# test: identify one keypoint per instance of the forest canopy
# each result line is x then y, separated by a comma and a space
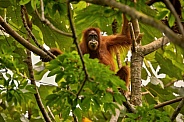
37, 85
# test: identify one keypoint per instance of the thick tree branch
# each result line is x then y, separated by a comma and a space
153, 46
136, 64
137, 58
21, 40
142, 17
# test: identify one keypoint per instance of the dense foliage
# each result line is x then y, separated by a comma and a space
69, 99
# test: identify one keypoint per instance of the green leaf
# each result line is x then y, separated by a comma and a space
78, 113
31, 88
144, 74
119, 98
33, 4
167, 66
52, 97
107, 97
149, 36
54, 71
162, 14
66, 113
17, 97
86, 103
39, 74
59, 76
23, 2
171, 20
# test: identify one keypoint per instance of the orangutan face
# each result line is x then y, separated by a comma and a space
93, 40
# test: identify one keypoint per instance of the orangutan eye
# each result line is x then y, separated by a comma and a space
95, 37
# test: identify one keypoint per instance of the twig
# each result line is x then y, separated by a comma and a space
178, 109
2, 29
48, 23
133, 38
31, 74
168, 102
21, 40
172, 9
78, 48
24, 12
170, 83
50, 112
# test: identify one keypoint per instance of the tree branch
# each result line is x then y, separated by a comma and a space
143, 18
153, 46
178, 109
31, 77
25, 22
168, 102
21, 40
136, 65
48, 23
172, 9
78, 48
37, 95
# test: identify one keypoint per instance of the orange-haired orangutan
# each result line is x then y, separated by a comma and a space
102, 47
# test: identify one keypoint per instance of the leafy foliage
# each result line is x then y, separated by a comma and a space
147, 114
95, 101
94, 95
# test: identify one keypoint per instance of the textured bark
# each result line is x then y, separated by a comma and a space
136, 65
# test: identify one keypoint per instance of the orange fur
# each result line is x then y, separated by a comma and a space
106, 46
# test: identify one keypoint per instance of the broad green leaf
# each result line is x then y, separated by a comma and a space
54, 71
171, 20
85, 104
78, 113
46, 90
149, 36
23, 2
31, 88
162, 14
33, 4
59, 76
169, 109
119, 98
167, 67
144, 74
107, 97
39, 74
